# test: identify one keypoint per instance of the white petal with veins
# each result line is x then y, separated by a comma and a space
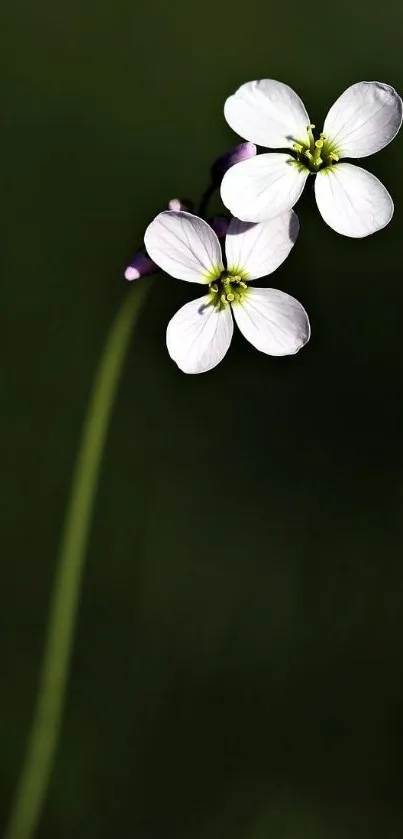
274, 322
199, 335
364, 119
184, 246
256, 250
263, 187
352, 201
268, 113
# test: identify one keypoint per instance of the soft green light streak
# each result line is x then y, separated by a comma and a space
43, 739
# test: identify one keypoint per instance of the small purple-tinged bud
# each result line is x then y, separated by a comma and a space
220, 225
179, 205
140, 266
235, 155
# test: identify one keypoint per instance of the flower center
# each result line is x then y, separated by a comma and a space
228, 288
318, 154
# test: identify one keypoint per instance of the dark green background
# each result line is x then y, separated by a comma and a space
238, 662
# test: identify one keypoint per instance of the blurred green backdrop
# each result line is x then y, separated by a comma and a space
238, 661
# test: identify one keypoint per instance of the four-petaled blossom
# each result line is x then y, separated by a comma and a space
200, 333
352, 201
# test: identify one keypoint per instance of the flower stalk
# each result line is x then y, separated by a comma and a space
47, 718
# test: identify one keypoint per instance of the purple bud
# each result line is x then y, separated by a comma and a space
140, 266
235, 155
180, 206
220, 225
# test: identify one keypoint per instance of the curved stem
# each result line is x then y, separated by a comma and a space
205, 199
41, 748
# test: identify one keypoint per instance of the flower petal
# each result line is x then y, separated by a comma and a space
352, 201
364, 119
199, 335
262, 187
184, 246
272, 321
268, 113
256, 250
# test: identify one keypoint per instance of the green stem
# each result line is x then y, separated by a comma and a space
39, 758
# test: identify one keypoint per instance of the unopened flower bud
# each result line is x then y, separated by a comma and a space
140, 266
220, 225
235, 155
180, 205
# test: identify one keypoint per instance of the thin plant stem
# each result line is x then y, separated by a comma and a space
47, 717
205, 199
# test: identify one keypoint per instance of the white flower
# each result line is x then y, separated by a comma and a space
200, 333
364, 119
